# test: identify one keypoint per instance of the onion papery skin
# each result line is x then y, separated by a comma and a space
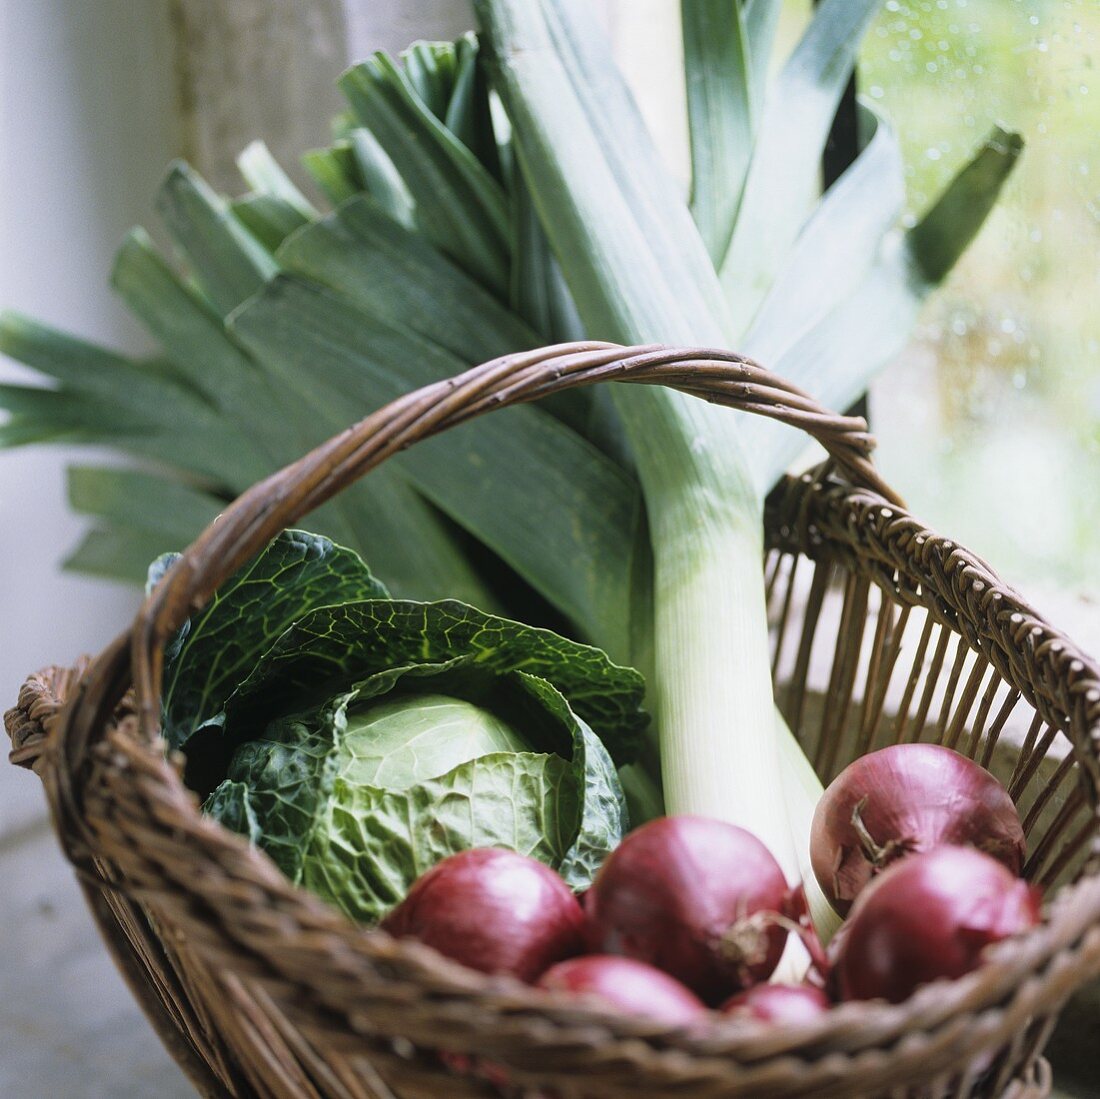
494, 911
785, 1005
628, 985
927, 917
910, 798
694, 897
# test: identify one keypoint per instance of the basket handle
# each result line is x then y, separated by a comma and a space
281, 500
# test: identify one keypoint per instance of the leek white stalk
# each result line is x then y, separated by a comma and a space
802, 791
712, 689
639, 272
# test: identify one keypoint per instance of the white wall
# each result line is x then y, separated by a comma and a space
87, 125
392, 24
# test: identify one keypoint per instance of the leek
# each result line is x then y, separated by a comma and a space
712, 685
640, 272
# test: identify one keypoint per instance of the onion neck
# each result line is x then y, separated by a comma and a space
879, 855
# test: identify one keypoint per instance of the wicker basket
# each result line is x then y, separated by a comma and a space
882, 632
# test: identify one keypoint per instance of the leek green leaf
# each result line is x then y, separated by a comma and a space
460, 207
538, 291
139, 500
394, 272
782, 180
141, 407
188, 329
941, 236
720, 102
397, 275
227, 263
38, 415
430, 69
574, 547
872, 324
405, 539
268, 218
381, 180
469, 116
761, 21
262, 172
336, 171
632, 256
115, 553
835, 249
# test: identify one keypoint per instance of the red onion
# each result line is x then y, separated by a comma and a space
627, 985
695, 897
903, 799
927, 917
787, 1005
493, 910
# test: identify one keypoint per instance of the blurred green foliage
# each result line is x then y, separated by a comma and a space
990, 422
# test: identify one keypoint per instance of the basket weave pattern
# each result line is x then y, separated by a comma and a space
883, 632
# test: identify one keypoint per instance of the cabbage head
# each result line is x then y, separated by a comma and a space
358, 739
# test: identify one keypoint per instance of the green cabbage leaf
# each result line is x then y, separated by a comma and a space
359, 739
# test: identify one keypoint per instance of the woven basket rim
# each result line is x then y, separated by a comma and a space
1018, 975
746, 1044
927, 1004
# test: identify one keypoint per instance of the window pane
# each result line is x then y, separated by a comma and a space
990, 421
